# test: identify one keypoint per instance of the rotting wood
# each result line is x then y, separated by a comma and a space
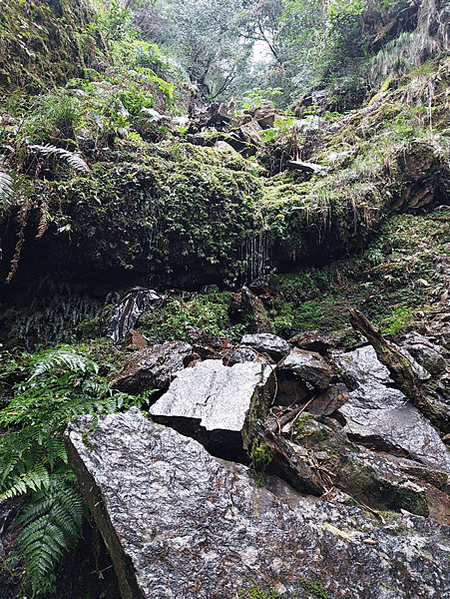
302, 476
278, 424
401, 371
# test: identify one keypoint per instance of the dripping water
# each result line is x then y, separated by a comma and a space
255, 255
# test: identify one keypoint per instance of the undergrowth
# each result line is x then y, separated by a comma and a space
58, 385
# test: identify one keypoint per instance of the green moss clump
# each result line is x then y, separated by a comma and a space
205, 313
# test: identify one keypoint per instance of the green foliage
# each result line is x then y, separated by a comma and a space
259, 97
73, 158
315, 587
261, 456
59, 317
60, 385
134, 99
50, 525
115, 21
177, 320
402, 317
256, 592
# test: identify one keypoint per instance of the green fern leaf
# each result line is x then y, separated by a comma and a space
32, 480
73, 158
51, 524
6, 188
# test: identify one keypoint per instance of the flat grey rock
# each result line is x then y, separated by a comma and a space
217, 396
267, 343
181, 524
218, 405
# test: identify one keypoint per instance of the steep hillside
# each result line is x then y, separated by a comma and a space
117, 177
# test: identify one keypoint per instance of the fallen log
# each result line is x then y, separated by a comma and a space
401, 371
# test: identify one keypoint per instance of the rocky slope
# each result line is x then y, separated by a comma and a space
273, 227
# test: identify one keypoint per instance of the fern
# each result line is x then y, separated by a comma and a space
51, 524
60, 385
73, 158
6, 188
62, 358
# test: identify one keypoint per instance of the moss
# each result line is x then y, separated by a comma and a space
315, 587
164, 214
261, 456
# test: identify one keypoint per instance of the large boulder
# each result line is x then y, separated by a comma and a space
381, 417
218, 405
182, 524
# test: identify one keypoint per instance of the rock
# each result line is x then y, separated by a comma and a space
240, 354
314, 341
382, 417
220, 114
429, 355
327, 403
153, 368
291, 389
218, 405
138, 339
264, 115
181, 524
310, 366
154, 115
246, 302
379, 480
128, 310
307, 167
250, 133
363, 366
267, 343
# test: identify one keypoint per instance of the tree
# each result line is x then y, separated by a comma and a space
204, 36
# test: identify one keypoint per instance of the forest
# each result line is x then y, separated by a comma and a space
198, 173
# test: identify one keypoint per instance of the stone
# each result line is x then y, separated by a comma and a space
314, 341
310, 366
381, 417
374, 478
180, 523
127, 312
153, 367
241, 354
428, 354
267, 343
250, 133
218, 405
329, 401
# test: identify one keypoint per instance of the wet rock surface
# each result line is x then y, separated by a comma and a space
217, 404
382, 417
128, 310
267, 343
153, 368
309, 366
180, 523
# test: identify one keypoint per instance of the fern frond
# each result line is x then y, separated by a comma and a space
51, 525
73, 158
32, 480
59, 358
6, 187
